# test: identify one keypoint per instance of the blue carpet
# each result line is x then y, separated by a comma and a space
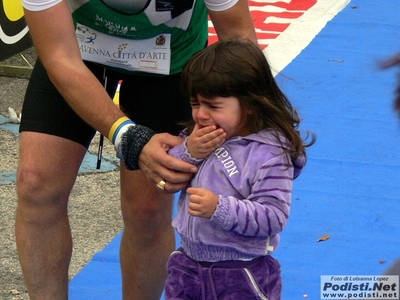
350, 187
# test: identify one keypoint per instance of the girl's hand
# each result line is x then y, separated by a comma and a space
202, 141
203, 203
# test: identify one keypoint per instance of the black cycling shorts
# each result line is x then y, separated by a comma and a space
152, 101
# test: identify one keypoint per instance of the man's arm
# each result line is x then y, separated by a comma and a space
235, 22
54, 38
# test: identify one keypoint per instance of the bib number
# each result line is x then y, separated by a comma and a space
151, 55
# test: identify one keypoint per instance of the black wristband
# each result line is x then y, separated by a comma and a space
132, 143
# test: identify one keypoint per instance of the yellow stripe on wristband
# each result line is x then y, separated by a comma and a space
115, 126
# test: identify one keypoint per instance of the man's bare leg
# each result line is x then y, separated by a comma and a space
148, 238
47, 171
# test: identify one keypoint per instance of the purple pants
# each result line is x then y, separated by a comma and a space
231, 280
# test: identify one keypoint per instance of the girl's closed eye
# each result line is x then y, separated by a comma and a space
213, 106
194, 103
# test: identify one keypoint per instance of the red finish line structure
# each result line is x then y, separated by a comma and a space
271, 18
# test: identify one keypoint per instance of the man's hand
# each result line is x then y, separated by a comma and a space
157, 165
202, 141
203, 203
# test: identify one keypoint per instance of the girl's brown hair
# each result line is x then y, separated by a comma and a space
240, 69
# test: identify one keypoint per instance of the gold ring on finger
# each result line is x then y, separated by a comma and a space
161, 185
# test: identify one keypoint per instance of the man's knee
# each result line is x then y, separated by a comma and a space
39, 200
148, 212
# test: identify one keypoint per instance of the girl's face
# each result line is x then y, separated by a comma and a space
223, 112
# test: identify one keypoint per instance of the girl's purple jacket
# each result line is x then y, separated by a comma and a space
253, 179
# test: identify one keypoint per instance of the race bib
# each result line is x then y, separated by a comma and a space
151, 55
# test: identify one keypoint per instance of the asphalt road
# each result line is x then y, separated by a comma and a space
94, 206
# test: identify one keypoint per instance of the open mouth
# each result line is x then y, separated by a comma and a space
203, 126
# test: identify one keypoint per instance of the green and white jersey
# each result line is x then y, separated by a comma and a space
158, 39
